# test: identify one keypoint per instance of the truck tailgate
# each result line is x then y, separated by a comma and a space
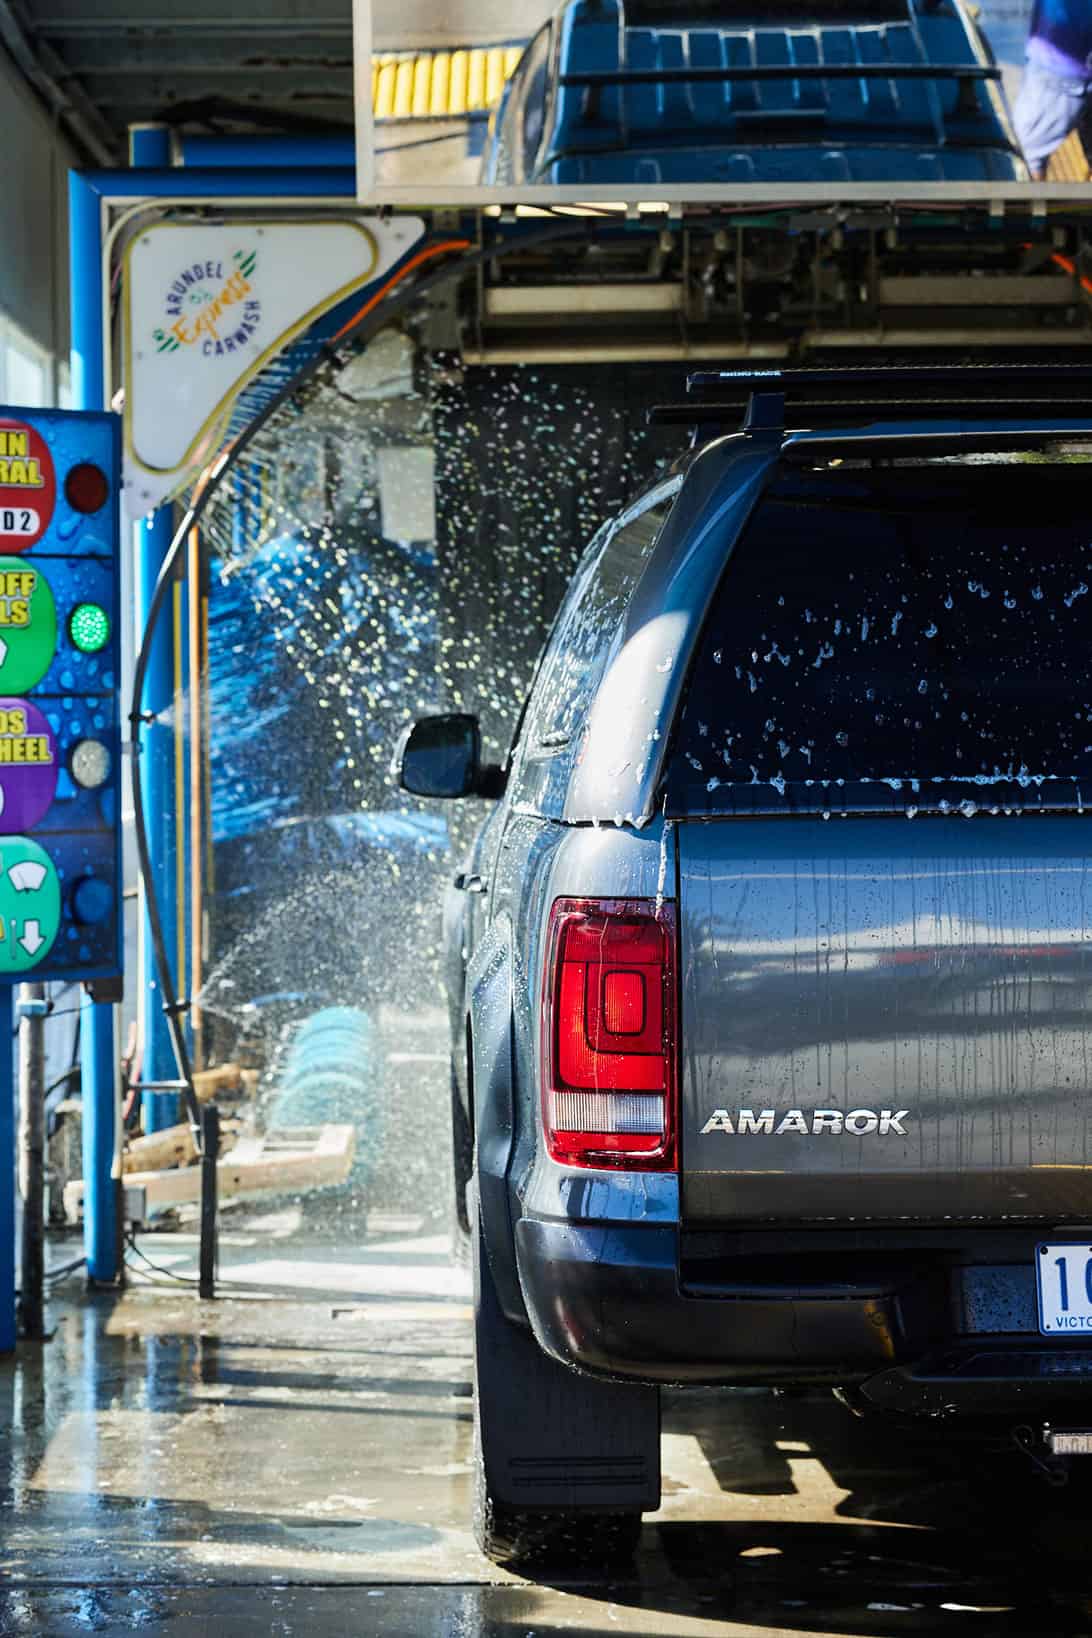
885, 1019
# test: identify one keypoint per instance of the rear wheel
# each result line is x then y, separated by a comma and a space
564, 1465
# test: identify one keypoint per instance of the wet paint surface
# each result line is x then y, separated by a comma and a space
295, 1459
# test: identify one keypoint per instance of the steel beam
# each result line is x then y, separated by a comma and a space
101, 1141
217, 54
7, 1172
98, 1063
49, 77
32, 1017
520, 301
156, 742
57, 18
150, 145
292, 153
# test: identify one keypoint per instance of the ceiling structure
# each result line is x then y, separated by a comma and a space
100, 65
258, 65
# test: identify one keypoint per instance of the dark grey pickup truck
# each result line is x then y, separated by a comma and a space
771, 968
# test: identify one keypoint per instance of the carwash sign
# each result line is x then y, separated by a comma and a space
28, 489
212, 307
60, 749
207, 305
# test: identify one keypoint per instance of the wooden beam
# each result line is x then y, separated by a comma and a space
173, 1146
1069, 163
296, 1159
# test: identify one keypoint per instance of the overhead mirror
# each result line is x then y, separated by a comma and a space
650, 100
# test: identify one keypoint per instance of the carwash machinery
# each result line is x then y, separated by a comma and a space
60, 754
713, 281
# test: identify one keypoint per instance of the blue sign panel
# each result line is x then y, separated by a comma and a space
60, 729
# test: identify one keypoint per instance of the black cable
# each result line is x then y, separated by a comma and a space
368, 326
68, 1268
68, 1075
421, 142
181, 1279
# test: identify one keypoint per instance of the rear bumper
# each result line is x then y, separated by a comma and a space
607, 1300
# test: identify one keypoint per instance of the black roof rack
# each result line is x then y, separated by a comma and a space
692, 75
811, 13
772, 401
1064, 377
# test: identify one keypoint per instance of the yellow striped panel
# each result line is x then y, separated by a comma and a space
383, 103
475, 81
441, 80
403, 89
440, 84
494, 76
1069, 163
422, 76
456, 96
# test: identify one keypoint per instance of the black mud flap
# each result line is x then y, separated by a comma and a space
551, 1437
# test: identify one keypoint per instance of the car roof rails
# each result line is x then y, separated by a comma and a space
693, 74
776, 402
767, 13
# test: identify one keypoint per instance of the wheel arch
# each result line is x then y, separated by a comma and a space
492, 1091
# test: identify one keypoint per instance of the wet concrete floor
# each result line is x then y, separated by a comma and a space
294, 1459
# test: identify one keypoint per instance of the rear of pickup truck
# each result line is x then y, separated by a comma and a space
885, 1088
878, 960
885, 927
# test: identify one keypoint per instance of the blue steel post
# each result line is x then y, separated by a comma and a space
156, 740
98, 1058
324, 175
150, 145
101, 1167
7, 1180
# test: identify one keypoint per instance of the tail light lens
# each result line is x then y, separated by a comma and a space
609, 1034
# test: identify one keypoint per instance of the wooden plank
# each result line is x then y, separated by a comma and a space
174, 1146
224, 1078
1069, 163
281, 1163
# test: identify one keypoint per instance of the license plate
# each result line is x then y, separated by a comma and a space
1063, 1273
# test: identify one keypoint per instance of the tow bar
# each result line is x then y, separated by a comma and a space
1067, 1441
1051, 1449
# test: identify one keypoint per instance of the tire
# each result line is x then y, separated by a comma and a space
616, 1431
462, 1160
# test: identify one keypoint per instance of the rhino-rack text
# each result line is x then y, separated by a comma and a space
809, 1123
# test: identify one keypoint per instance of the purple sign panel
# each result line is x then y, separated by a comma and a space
28, 766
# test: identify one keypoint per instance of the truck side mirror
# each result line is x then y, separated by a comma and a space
441, 756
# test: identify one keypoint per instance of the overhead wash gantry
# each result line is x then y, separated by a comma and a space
714, 277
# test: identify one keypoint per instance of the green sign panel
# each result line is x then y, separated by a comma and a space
30, 904
28, 625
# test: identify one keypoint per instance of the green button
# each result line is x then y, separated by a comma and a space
30, 904
28, 625
89, 627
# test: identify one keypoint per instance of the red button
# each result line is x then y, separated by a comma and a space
86, 488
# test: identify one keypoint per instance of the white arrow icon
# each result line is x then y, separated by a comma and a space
32, 939
3, 651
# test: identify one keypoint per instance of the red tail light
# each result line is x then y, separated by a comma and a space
609, 1034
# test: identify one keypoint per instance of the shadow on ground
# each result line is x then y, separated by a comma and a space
286, 1463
